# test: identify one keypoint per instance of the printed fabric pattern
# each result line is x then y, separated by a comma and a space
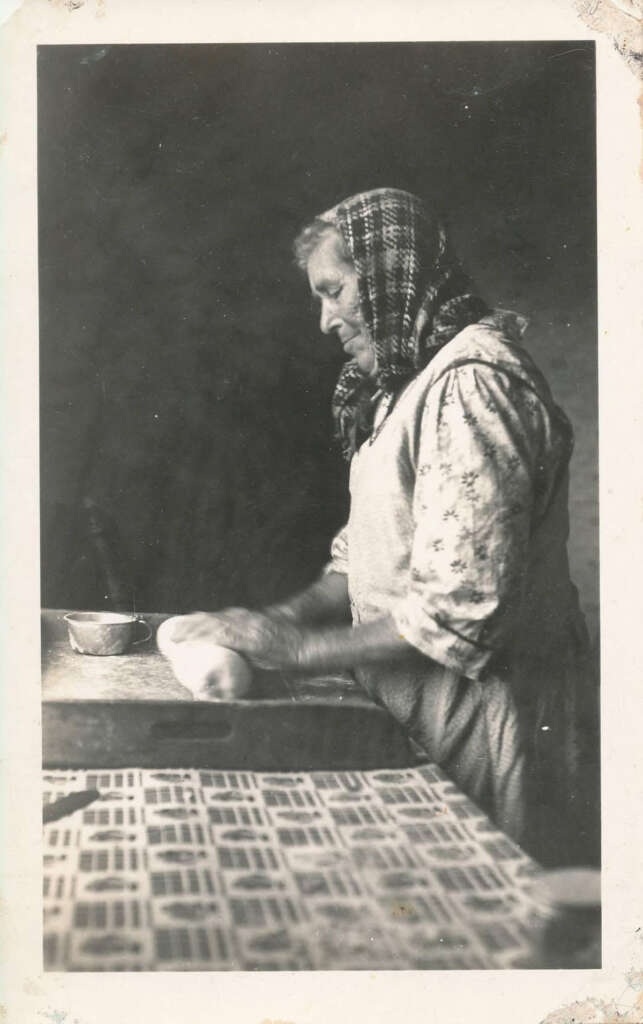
414, 297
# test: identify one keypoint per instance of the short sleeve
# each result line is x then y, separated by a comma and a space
339, 553
478, 450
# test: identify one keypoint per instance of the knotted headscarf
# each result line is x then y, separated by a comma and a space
414, 297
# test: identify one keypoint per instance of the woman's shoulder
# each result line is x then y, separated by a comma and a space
492, 346
489, 351
494, 340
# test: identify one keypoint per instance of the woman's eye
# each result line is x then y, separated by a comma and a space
335, 293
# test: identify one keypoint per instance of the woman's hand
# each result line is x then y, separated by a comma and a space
266, 641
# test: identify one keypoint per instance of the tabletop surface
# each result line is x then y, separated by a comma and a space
253, 859
144, 674
123, 709
202, 870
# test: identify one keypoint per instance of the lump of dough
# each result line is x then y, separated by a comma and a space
209, 671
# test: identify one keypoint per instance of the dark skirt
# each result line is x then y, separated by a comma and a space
523, 744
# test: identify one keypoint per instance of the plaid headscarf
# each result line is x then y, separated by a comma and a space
414, 297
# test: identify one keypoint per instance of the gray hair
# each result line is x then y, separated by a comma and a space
313, 234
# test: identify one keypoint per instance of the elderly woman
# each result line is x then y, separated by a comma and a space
453, 564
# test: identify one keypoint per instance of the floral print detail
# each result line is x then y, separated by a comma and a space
489, 449
449, 555
510, 511
446, 400
458, 532
478, 521
469, 478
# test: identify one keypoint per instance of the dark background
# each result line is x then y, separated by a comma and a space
185, 386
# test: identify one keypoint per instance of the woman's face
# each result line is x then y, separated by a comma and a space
334, 282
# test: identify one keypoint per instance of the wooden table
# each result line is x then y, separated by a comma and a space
130, 709
294, 830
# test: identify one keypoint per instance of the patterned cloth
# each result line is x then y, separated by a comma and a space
214, 870
414, 297
458, 528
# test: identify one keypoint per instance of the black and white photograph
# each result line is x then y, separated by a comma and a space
320, 494
318, 385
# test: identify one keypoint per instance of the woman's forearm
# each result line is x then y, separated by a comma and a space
345, 647
277, 641
326, 600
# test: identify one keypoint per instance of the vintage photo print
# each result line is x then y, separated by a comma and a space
189, 461
317, 333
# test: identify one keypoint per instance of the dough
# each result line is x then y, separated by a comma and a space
209, 671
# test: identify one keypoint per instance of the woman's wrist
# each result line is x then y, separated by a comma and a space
345, 647
319, 650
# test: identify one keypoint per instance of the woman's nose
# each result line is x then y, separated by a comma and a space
328, 320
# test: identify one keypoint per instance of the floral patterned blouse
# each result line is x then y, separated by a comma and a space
458, 529
458, 521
